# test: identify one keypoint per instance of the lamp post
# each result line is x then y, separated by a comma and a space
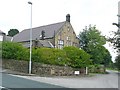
30, 39
118, 25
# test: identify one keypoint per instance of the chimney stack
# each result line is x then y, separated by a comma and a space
68, 17
43, 34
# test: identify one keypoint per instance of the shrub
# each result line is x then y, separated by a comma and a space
70, 56
77, 57
49, 56
12, 50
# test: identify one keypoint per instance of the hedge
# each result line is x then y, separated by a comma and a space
14, 51
70, 56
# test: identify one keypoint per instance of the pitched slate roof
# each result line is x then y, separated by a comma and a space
36, 32
43, 43
46, 43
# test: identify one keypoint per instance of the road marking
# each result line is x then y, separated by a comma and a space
2, 87
2, 71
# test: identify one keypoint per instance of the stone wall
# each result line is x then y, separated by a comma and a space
15, 65
67, 35
40, 69
43, 69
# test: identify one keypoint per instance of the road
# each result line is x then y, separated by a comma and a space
9, 81
98, 81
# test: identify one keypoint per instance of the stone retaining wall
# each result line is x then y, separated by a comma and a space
43, 69
40, 69
15, 65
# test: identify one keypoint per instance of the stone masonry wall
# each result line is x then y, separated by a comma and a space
15, 65
39, 69
43, 69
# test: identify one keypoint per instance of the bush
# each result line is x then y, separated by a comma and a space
77, 57
49, 56
16, 51
70, 56
97, 68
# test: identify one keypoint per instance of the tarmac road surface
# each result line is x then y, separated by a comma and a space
98, 81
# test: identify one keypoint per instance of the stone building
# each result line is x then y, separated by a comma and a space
55, 35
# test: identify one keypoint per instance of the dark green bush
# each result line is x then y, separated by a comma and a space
16, 51
77, 57
96, 68
49, 56
70, 56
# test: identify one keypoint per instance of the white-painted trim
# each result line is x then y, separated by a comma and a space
50, 44
11, 39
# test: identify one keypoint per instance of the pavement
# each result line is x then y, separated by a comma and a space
94, 81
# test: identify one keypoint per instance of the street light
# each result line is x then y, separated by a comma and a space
30, 39
118, 25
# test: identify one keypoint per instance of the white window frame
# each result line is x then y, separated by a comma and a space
60, 44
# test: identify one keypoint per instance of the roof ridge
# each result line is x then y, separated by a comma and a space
47, 25
49, 29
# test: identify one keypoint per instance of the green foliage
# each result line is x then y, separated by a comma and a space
100, 55
115, 40
12, 32
69, 56
117, 62
49, 56
92, 42
91, 37
0, 49
96, 68
77, 57
14, 51
107, 58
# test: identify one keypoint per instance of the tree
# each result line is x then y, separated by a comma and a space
12, 32
107, 58
92, 42
91, 37
115, 41
117, 62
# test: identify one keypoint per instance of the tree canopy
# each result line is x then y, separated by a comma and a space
115, 40
92, 42
91, 37
12, 32
117, 62
116, 44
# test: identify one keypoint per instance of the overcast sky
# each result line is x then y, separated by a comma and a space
102, 13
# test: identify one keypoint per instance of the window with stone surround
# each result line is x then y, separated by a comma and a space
69, 43
60, 44
68, 38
